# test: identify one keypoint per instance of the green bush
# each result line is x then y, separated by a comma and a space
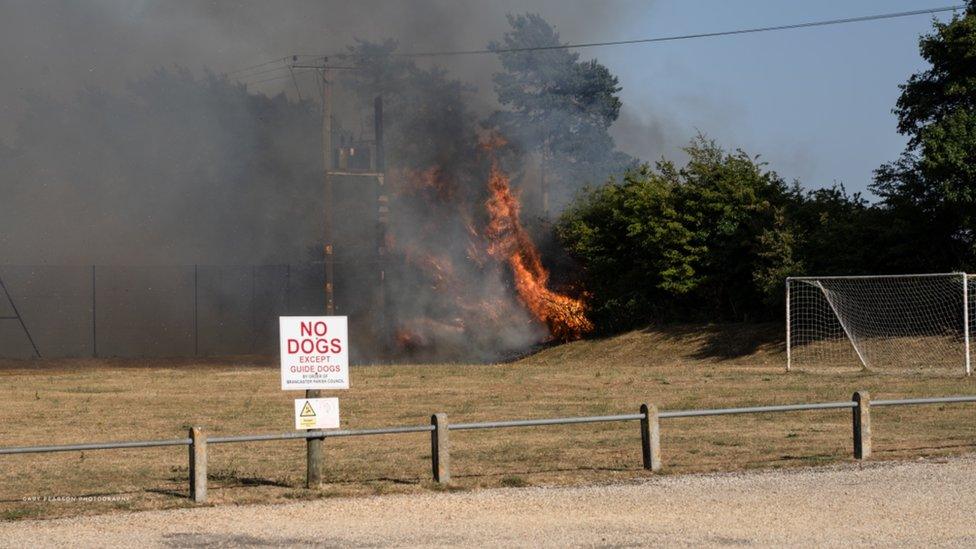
707, 240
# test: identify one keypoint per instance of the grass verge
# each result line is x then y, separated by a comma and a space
66, 401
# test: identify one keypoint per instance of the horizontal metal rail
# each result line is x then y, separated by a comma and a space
549, 421
482, 425
321, 434
757, 409
96, 446
914, 401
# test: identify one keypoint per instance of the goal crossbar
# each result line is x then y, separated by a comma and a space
856, 277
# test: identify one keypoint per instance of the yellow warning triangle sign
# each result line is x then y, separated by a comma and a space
307, 410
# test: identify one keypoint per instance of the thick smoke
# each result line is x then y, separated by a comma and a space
122, 142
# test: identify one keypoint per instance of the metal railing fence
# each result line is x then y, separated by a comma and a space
439, 428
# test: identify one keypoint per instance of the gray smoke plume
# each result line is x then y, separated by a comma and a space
130, 136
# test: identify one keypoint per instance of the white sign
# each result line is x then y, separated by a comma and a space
314, 352
316, 413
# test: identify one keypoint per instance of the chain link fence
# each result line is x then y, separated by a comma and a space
152, 311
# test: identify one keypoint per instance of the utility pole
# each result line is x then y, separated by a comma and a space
543, 182
314, 445
337, 178
327, 167
329, 193
382, 221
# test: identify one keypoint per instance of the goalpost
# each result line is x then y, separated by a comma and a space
897, 322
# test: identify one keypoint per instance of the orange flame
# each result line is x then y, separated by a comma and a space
508, 240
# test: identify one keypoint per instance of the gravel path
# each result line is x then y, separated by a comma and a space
908, 503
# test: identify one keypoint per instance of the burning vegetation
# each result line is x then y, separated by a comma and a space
564, 316
483, 282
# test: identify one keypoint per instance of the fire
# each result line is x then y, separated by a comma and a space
508, 241
456, 261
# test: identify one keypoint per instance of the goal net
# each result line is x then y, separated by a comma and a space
895, 322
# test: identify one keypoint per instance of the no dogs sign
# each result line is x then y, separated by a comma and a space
314, 352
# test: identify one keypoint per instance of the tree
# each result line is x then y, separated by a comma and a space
708, 240
933, 183
557, 106
738, 209
634, 245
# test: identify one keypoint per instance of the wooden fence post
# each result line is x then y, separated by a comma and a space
440, 449
198, 465
862, 425
650, 437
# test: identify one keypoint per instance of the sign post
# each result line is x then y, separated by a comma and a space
313, 453
314, 356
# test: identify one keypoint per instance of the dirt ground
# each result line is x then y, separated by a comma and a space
919, 504
84, 400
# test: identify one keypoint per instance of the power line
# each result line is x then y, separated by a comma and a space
265, 71
248, 78
300, 71
259, 65
793, 26
295, 81
245, 69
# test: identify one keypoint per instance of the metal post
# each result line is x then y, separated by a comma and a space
198, 465
196, 321
789, 351
965, 319
253, 312
650, 437
94, 317
862, 425
440, 449
17, 316
313, 453
288, 289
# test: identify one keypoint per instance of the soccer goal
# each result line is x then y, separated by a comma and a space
914, 322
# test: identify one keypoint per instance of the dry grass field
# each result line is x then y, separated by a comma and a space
85, 400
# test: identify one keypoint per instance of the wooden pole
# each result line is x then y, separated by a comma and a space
328, 214
313, 447
862, 425
383, 224
198, 465
650, 437
313, 453
440, 449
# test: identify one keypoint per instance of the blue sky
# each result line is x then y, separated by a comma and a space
815, 103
